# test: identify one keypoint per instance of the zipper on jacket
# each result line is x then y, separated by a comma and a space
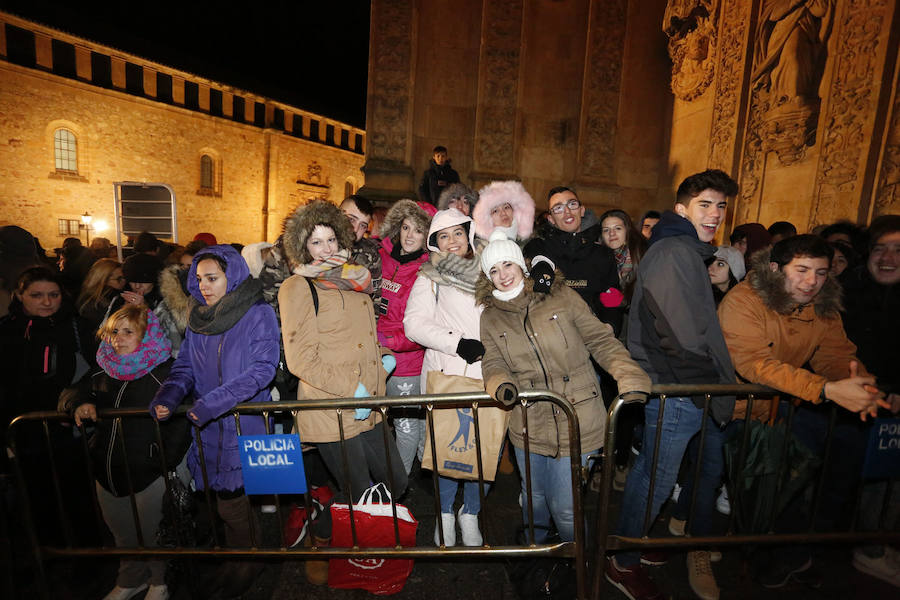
555, 319
221, 427
112, 443
533, 347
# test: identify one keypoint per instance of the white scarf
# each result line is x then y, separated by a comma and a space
509, 294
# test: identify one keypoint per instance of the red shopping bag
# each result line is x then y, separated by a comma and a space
374, 520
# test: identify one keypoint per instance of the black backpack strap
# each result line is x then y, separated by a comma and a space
315, 294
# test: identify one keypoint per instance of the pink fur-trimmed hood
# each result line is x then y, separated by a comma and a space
495, 194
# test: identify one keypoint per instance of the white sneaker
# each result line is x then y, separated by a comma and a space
676, 492
157, 592
268, 509
448, 524
885, 568
124, 593
468, 524
722, 503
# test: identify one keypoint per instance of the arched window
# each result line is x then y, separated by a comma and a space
65, 151
348, 188
207, 173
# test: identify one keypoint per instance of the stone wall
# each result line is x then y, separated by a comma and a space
624, 98
519, 90
266, 160
797, 110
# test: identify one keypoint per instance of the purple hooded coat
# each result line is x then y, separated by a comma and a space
222, 371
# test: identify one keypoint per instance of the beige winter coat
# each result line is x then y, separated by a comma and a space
545, 341
331, 353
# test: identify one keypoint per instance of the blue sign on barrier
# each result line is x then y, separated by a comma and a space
883, 452
272, 464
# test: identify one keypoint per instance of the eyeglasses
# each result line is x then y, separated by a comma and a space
572, 205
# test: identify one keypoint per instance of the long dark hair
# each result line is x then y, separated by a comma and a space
636, 243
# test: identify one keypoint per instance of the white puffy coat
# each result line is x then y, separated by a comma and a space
438, 316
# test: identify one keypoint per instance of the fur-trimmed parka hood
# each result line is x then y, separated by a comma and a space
495, 194
173, 288
484, 288
769, 285
405, 209
301, 223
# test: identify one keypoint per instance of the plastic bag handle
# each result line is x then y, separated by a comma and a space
382, 492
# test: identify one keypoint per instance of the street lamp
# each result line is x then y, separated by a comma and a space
86, 219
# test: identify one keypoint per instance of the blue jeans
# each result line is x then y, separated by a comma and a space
471, 499
551, 493
680, 422
711, 471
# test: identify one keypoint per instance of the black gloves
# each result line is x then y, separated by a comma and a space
470, 350
542, 273
507, 393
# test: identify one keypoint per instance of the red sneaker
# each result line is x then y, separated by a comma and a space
654, 558
632, 581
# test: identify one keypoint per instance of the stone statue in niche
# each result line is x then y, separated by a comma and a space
788, 63
691, 28
314, 173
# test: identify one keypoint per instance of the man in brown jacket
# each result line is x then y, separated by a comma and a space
785, 316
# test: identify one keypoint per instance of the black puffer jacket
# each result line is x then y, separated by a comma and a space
871, 321
141, 446
589, 267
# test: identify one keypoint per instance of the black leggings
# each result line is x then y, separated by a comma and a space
365, 455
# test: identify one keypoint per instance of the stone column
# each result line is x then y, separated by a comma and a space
43, 52
600, 92
887, 192
83, 62
843, 175
392, 39
498, 92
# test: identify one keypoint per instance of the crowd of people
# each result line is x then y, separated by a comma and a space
469, 284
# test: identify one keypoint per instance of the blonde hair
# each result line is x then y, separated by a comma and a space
94, 285
136, 314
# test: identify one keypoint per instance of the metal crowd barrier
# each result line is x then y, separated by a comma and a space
609, 542
572, 550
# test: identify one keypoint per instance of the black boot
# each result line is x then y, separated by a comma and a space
241, 531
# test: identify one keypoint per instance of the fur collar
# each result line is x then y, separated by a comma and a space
173, 292
403, 209
304, 219
769, 285
484, 288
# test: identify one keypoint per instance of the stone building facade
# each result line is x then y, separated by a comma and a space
621, 99
76, 117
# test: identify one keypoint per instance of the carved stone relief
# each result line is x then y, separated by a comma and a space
791, 48
887, 196
852, 101
691, 28
390, 90
498, 79
603, 81
734, 23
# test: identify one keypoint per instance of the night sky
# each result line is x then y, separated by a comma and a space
312, 55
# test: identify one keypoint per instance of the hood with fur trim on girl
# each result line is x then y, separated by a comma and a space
420, 213
303, 221
496, 194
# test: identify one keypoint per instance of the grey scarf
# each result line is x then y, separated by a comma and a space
445, 268
222, 316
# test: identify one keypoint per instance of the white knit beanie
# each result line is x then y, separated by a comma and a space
500, 249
